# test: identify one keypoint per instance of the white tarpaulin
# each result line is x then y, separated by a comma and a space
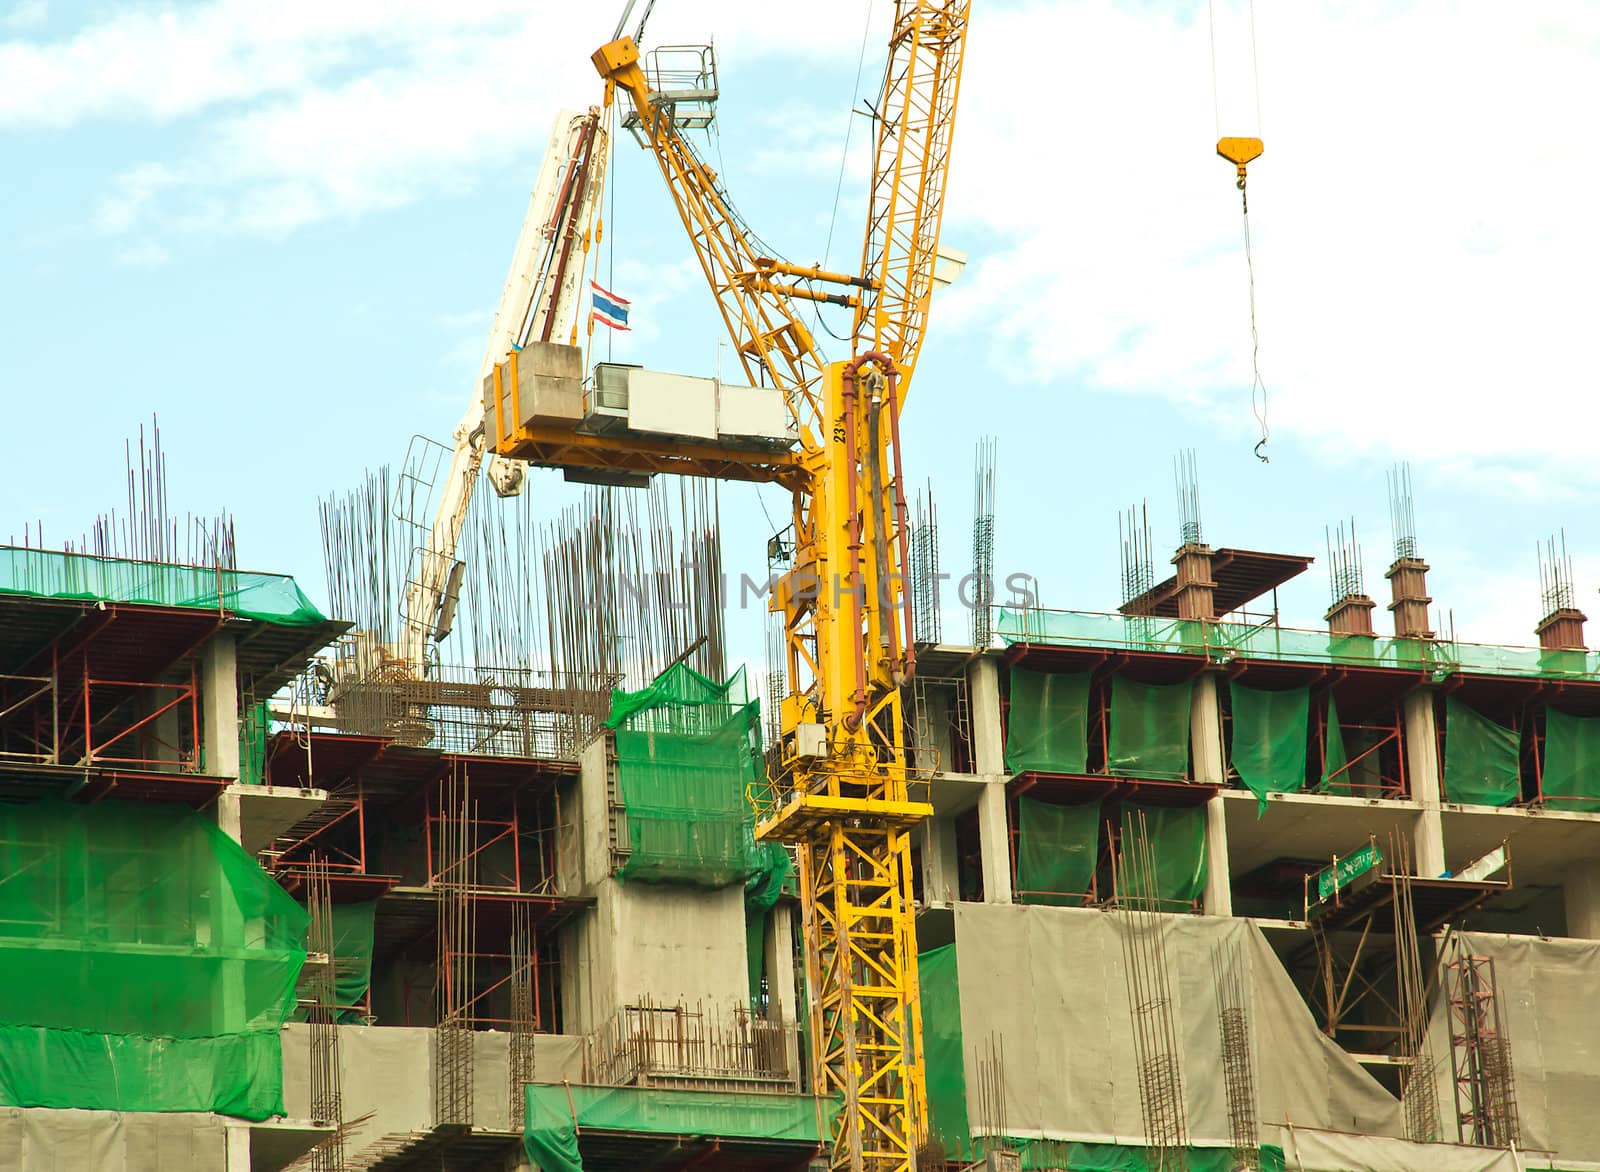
43, 1140
1545, 990
1047, 987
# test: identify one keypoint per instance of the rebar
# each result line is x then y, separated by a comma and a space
1419, 1094
456, 932
1480, 1055
326, 1101
1186, 477
1345, 576
1238, 1065
524, 1013
1138, 564
926, 620
1402, 512
982, 600
1150, 1007
1555, 575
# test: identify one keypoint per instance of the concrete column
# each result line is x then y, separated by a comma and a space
941, 882
1422, 773
994, 839
219, 724
219, 706
1205, 744
988, 738
1580, 888
780, 977
237, 1152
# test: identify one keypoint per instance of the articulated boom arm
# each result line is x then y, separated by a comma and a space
539, 301
773, 343
916, 121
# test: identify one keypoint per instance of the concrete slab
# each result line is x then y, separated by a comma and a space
1544, 843
277, 1143
266, 811
1307, 826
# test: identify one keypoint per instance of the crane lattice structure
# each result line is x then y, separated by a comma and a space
843, 789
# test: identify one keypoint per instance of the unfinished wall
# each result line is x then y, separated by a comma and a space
388, 1071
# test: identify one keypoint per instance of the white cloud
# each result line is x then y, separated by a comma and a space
316, 111
1422, 220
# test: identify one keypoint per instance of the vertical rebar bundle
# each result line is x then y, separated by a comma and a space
150, 531
524, 1015
326, 1101
1480, 1055
1138, 563
1418, 1093
364, 555
925, 618
1229, 970
457, 944
983, 542
1186, 478
1345, 577
1155, 1035
1402, 512
1555, 575
629, 599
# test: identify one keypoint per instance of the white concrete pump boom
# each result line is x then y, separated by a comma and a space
540, 302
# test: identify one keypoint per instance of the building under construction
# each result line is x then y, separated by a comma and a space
1201, 890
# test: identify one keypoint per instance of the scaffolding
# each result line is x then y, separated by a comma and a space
456, 945
326, 1102
1480, 1055
687, 1048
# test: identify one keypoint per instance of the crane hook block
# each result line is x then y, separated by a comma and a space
1239, 152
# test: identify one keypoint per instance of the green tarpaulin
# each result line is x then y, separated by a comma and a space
149, 963
1480, 758
1335, 762
1047, 722
688, 751
558, 1115
1149, 730
1178, 853
1570, 777
1057, 850
1268, 747
352, 958
43, 573
938, 975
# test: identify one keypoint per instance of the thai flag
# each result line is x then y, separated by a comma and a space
609, 309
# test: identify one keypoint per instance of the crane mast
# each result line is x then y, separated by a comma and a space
841, 790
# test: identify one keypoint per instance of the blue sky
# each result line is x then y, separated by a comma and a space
283, 229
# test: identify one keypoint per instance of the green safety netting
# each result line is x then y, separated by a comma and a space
1057, 850
1480, 758
1335, 762
254, 724
557, 1115
149, 963
1149, 729
352, 958
43, 573
1177, 840
1221, 641
1268, 749
773, 870
688, 750
1073, 1156
938, 976
1570, 776
1047, 722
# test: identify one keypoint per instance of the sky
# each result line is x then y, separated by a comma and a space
283, 230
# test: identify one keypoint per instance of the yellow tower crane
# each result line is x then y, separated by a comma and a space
842, 792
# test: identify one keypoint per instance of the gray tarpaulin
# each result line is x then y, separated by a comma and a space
1546, 991
44, 1140
1051, 983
